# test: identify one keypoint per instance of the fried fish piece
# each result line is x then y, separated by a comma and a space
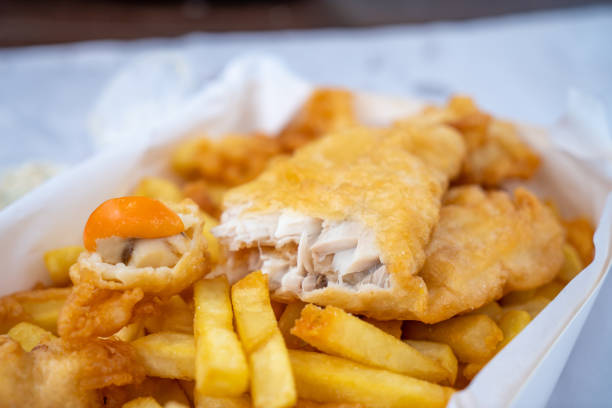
63, 374
327, 110
488, 243
496, 152
229, 161
139, 250
345, 221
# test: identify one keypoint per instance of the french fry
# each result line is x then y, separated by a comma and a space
533, 306
511, 324
167, 355
550, 290
58, 262
473, 338
203, 401
336, 332
142, 402
221, 367
392, 327
159, 189
579, 233
272, 383
491, 309
40, 307
286, 322
29, 335
440, 352
184, 158
325, 378
174, 315
572, 264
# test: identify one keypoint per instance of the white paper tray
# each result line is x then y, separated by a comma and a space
258, 93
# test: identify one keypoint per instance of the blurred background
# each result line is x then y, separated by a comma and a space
70, 70
54, 21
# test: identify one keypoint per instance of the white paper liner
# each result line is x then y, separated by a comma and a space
258, 93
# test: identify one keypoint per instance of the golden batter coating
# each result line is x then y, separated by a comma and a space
64, 374
485, 245
496, 152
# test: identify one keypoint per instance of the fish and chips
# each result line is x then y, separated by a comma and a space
333, 265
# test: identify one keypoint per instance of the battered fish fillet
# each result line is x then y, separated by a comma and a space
496, 152
58, 374
485, 245
345, 221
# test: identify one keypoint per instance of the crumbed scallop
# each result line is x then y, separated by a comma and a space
159, 266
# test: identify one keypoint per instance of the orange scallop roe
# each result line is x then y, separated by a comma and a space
131, 217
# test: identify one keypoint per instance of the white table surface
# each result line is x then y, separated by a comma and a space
519, 67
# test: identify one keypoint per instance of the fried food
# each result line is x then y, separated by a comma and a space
232, 160
159, 189
173, 315
158, 248
142, 402
336, 332
496, 152
359, 248
58, 262
473, 338
272, 383
312, 404
580, 235
139, 250
327, 110
511, 324
208, 196
29, 336
532, 306
572, 264
162, 390
324, 378
287, 321
392, 327
487, 244
222, 402
439, 352
492, 309
93, 312
221, 366
63, 374
40, 307
167, 355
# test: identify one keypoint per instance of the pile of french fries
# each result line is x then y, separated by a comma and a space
231, 346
